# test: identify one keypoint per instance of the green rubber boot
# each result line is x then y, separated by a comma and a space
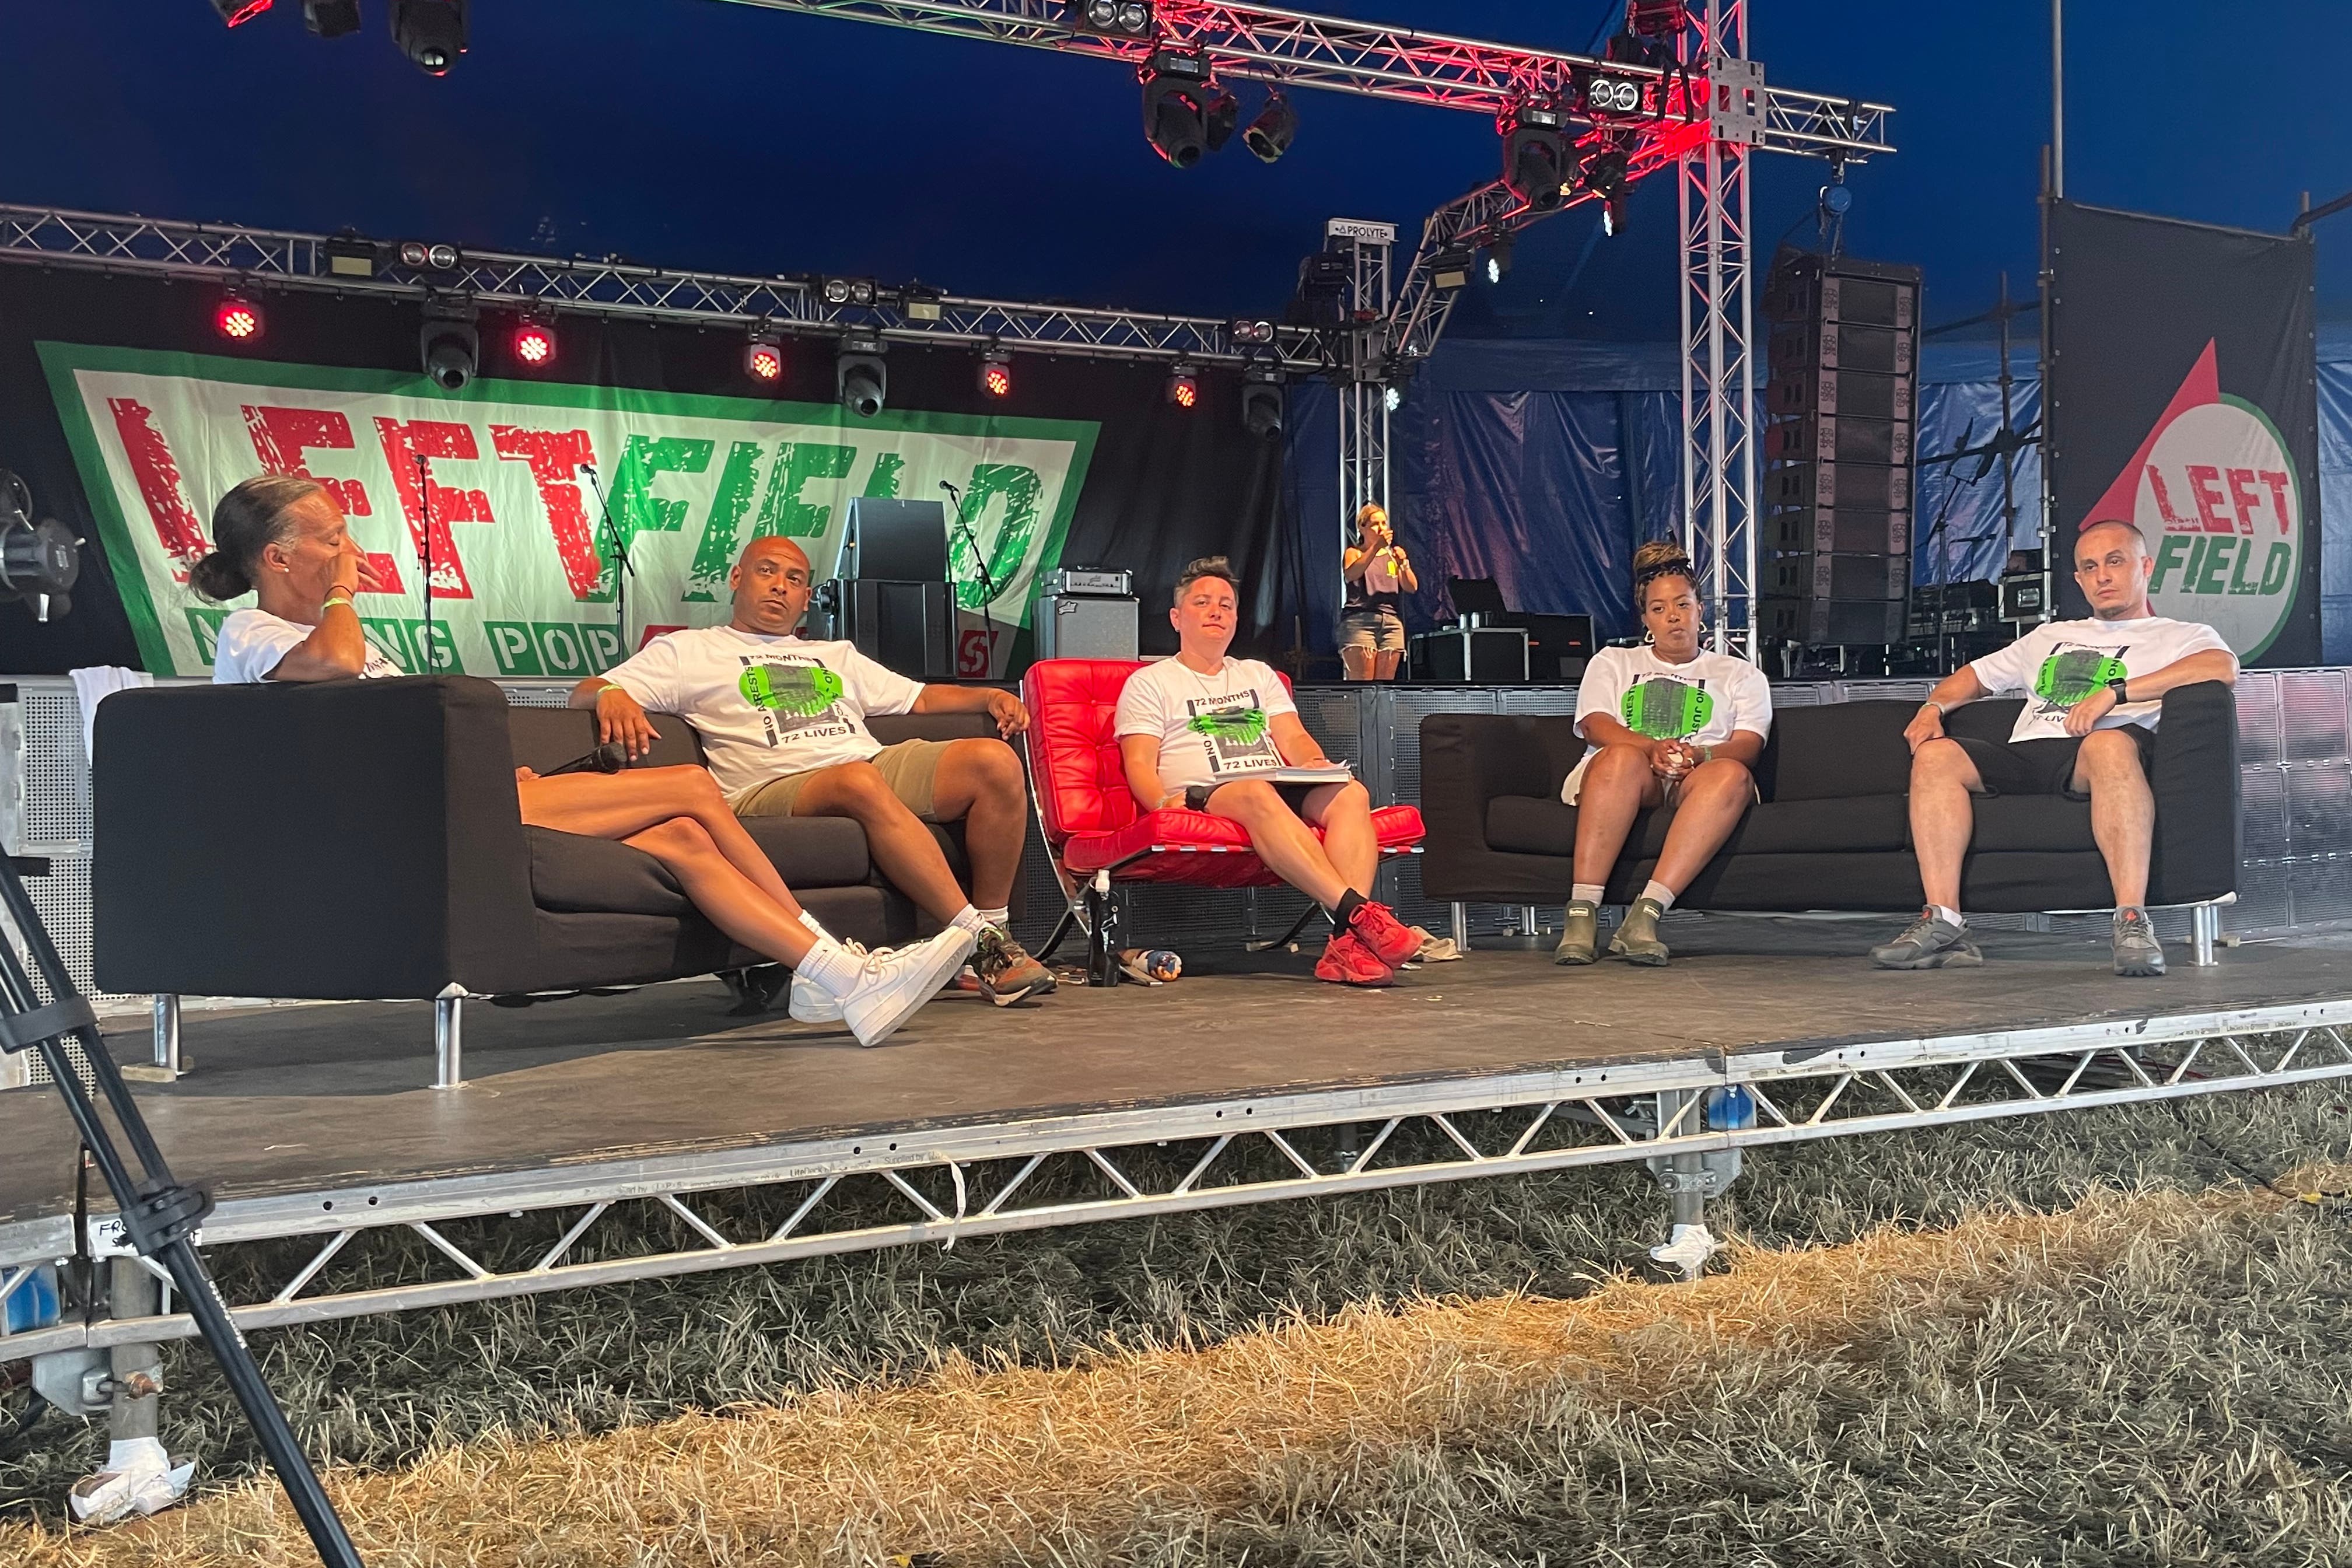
1637, 940
1580, 935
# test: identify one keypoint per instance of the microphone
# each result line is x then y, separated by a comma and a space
609, 758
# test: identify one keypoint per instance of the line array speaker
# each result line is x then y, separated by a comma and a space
1842, 403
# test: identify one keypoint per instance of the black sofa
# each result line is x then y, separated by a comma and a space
1831, 830
362, 839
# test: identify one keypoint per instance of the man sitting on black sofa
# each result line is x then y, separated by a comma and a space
2088, 728
782, 725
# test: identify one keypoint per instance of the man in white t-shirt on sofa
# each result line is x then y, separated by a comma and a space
2094, 694
1204, 732
782, 723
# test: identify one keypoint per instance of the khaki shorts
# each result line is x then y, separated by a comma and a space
910, 768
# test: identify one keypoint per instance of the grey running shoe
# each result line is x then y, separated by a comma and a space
1637, 940
2138, 952
1928, 942
1580, 935
1006, 971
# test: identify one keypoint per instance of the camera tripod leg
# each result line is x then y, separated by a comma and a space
159, 1216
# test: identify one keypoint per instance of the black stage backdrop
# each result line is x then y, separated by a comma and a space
1160, 485
2183, 396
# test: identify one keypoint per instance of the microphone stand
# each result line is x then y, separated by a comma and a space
159, 1215
424, 553
626, 568
987, 583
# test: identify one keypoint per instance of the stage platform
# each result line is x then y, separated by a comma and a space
759, 1139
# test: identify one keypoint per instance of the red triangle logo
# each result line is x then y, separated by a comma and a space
2200, 387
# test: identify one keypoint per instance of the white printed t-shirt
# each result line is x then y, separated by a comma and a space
766, 707
1702, 702
1212, 729
252, 643
2059, 663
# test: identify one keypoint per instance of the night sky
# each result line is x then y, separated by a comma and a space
697, 133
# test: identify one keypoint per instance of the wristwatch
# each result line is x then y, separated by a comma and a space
2116, 683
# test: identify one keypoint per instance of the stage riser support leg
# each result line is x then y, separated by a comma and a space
448, 1039
167, 1034
2204, 930
1461, 914
134, 1292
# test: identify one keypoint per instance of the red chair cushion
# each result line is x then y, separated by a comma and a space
1072, 751
1205, 851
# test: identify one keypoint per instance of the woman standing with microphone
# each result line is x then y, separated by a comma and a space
1371, 622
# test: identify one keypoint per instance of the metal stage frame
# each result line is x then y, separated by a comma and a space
944, 1183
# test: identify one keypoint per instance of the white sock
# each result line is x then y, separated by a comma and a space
831, 966
1949, 917
970, 920
1656, 889
1001, 918
1586, 893
815, 927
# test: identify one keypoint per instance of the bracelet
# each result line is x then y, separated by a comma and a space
332, 601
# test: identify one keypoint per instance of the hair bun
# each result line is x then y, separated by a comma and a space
217, 577
1657, 554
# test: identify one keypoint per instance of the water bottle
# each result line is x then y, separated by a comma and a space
1730, 1107
1159, 962
33, 1304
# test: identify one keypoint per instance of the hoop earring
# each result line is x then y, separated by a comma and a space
1648, 637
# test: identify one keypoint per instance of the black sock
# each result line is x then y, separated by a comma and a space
1345, 911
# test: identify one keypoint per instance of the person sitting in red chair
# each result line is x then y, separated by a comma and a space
1208, 733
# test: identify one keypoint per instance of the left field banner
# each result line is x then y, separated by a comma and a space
488, 484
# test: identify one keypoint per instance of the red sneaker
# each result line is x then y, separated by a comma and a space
1389, 938
1346, 962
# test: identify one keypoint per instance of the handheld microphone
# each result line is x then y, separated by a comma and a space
609, 758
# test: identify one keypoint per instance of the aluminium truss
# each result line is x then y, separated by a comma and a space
1705, 112
363, 1250
230, 254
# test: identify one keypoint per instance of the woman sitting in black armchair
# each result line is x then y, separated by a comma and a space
284, 541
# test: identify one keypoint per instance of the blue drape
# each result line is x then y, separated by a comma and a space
1541, 464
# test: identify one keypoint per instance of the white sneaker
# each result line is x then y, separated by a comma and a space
892, 985
811, 1003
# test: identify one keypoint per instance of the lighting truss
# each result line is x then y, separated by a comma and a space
1718, 310
1296, 48
433, 1242
229, 254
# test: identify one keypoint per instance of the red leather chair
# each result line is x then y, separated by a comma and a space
1095, 832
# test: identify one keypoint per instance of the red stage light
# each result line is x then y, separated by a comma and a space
534, 345
237, 13
237, 319
1183, 390
764, 362
997, 379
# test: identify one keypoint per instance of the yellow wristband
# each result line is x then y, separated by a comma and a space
332, 602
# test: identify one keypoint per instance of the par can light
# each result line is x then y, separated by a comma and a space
237, 317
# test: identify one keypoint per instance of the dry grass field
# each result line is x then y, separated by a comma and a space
2110, 1337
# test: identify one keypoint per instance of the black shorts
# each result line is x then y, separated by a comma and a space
2044, 766
1294, 795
